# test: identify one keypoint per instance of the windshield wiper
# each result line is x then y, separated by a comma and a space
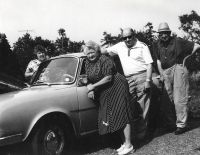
42, 83
27, 85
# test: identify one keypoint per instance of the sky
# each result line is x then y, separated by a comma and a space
88, 19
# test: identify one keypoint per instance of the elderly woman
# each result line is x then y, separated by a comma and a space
33, 65
111, 91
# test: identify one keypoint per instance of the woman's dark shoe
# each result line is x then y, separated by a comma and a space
180, 130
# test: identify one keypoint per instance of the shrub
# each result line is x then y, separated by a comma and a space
194, 103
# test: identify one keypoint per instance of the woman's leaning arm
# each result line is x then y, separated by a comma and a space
103, 81
104, 51
196, 47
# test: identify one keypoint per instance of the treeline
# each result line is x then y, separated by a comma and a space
14, 62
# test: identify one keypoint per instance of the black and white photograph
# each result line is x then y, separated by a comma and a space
99, 77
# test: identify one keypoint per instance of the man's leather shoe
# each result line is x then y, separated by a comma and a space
180, 130
169, 128
138, 141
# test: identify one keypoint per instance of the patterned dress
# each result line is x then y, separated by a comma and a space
112, 98
33, 66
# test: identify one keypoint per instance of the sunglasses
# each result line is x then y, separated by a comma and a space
129, 37
162, 33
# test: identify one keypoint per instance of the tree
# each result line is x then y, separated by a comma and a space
75, 47
24, 50
147, 36
5, 53
64, 45
109, 39
62, 33
8, 62
190, 24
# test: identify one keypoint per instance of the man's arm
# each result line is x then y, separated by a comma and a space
112, 50
160, 70
196, 47
104, 51
149, 76
149, 71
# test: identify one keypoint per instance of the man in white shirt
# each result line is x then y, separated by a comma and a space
136, 62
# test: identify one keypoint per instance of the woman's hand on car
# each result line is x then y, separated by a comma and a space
91, 95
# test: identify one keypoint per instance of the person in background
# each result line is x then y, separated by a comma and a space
33, 65
110, 90
171, 52
136, 62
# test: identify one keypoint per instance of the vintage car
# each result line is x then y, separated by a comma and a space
53, 108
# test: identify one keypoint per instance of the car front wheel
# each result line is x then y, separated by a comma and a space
49, 140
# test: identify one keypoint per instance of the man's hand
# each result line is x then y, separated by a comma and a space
161, 80
91, 95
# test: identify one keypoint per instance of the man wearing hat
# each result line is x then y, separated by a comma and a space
171, 52
136, 62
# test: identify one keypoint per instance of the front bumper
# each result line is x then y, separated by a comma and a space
10, 139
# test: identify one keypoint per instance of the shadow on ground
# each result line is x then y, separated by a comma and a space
193, 123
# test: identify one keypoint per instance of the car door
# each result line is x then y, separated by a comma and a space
88, 111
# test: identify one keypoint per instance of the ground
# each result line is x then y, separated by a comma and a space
163, 143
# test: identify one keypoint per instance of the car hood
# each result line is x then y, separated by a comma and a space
31, 94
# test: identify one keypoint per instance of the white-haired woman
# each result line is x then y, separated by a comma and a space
112, 92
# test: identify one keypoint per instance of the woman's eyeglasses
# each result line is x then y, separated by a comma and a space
129, 37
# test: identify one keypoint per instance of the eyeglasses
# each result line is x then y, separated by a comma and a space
129, 37
164, 32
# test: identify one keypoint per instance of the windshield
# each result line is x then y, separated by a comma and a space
56, 71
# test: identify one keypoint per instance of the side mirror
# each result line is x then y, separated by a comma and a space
83, 80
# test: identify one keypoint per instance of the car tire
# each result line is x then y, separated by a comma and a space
50, 140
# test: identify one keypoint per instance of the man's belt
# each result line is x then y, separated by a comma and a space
135, 74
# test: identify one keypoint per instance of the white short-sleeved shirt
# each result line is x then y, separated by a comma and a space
138, 60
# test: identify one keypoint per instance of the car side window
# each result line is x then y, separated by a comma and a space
83, 68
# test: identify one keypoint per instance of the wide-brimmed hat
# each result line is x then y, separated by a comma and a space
163, 27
